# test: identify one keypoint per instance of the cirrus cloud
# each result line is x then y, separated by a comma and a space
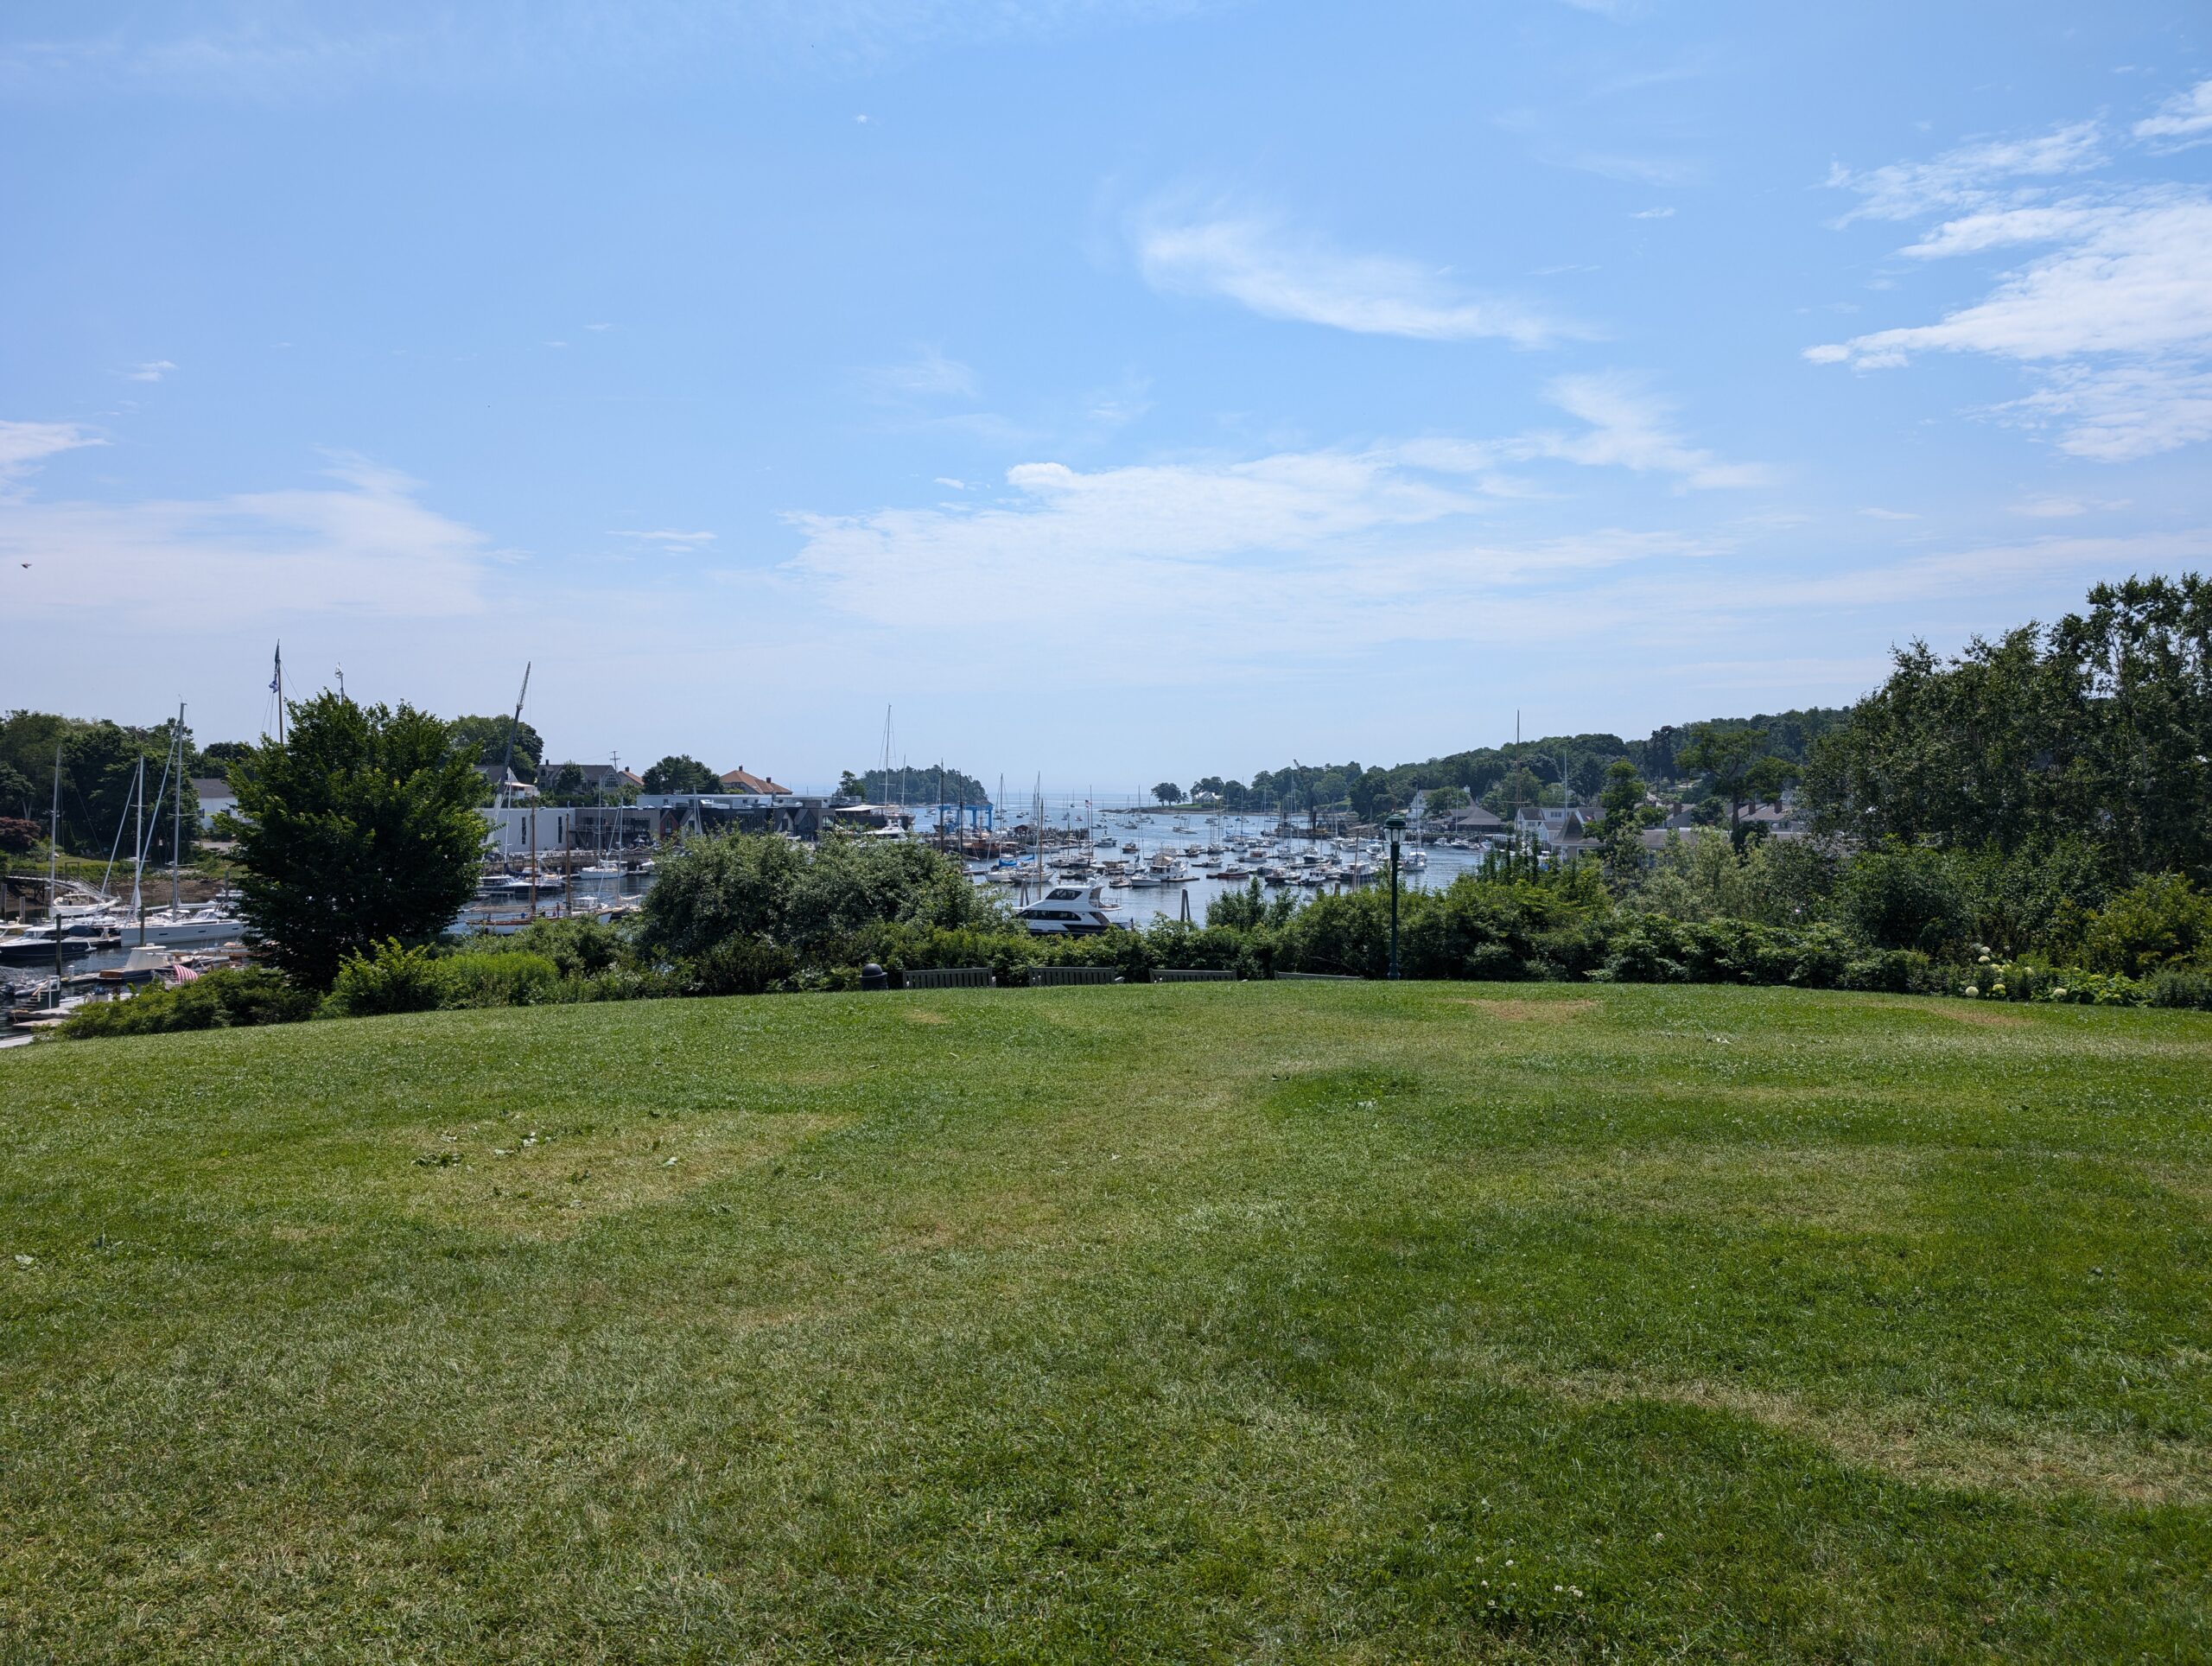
2114, 321
1256, 261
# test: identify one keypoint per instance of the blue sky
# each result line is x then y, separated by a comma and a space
1117, 390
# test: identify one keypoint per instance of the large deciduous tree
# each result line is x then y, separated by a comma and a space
362, 825
485, 742
1742, 770
681, 773
2099, 727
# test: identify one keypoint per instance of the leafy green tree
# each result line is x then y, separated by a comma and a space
1446, 801
361, 828
15, 791
1168, 793
926, 784
1519, 785
681, 773
100, 772
716, 888
1743, 771
1622, 796
485, 742
2095, 728
1370, 795
217, 756
1904, 896
756, 889
1250, 908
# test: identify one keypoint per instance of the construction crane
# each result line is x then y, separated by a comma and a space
507, 769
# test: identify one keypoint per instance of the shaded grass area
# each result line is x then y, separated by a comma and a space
1238, 1321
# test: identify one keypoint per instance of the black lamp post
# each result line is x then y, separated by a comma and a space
1396, 826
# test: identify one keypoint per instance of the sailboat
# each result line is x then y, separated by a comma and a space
176, 926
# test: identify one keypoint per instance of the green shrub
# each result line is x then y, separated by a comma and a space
391, 980
2162, 920
505, 979
2177, 987
737, 965
1903, 896
232, 998
578, 947
1892, 971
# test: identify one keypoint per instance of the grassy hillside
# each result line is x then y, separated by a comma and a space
1249, 1322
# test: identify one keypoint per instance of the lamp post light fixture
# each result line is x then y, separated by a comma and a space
1396, 826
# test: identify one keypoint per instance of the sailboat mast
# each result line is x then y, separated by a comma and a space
138, 850
54, 875
176, 824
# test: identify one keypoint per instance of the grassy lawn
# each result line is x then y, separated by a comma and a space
1244, 1321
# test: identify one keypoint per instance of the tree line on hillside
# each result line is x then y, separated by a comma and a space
99, 763
1553, 770
928, 783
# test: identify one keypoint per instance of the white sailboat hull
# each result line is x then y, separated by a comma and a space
171, 933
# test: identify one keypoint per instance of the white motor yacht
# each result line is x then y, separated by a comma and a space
1067, 911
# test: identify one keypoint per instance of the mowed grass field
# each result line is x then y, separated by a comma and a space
1237, 1322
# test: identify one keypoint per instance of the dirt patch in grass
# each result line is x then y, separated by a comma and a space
1912, 1442
1008, 1222
552, 1185
923, 1016
1518, 1009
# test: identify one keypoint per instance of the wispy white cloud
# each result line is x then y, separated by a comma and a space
2114, 413
668, 542
152, 371
365, 546
1875, 513
2115, 321
2186, 117
1331, 550
929, 374
1369, 544
2050, 507
2133, 276
1629, 428
1970, 175
1653, 213
24, 446
1259, 262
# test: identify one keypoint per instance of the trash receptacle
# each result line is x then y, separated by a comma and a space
872, 978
